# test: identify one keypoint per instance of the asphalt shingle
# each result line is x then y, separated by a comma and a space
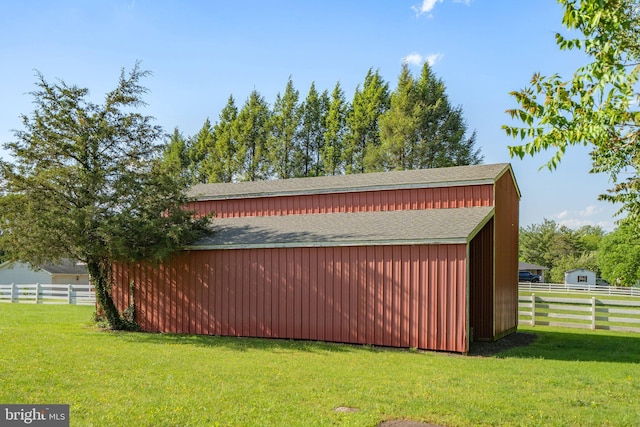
346, 229
423, 178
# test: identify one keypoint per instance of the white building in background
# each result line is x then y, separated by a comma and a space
65, 273
580, 277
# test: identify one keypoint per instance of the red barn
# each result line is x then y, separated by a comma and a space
423, 259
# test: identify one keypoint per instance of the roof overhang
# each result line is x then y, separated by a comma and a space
380, 181
385, 228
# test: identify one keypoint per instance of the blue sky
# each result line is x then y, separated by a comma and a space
200, 52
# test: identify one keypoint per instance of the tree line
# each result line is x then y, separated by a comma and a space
614, 256
412, 127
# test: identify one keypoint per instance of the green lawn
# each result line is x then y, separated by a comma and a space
52, 354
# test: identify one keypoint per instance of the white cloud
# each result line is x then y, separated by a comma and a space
426, 6
415, 58
590, 210
590, 215
434, 57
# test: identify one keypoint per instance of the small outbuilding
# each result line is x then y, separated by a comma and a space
418, 259
65, 273
580, 277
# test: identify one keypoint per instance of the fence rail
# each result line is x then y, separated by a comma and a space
39, 293
589, 313
590, 289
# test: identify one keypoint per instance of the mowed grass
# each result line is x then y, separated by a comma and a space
52, 354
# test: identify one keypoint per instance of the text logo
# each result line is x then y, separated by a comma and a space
34, 415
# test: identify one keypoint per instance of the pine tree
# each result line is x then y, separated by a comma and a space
331, 152
398, 128
363, 137
284, 128
313, 127
175, 159
202, 148
252, 133
441, 128
223, 165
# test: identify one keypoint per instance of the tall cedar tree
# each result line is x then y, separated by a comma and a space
399, 127
313, 117
222, 165
201, 152
252, 133
362, 122
331, 153
441, 139
175, 159
85, 183
284, 129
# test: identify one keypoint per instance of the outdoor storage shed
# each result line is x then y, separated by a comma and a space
64, 273
424, 259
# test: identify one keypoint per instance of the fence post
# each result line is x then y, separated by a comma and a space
69, 293
593, 313
37, 293
533, 309
13, 291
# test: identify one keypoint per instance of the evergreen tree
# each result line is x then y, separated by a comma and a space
85, 183
363, 136
175, 159
284, 128
313, 128
252, 133
202, 148
222, 165
441, 128
331, 152
398, 128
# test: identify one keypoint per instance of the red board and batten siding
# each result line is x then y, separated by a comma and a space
366, 201
400, 296
506, 255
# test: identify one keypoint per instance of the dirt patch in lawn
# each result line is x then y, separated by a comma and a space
488, 349
405, 423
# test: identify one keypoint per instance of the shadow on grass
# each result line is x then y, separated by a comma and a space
531, 344
585, 346
243, 344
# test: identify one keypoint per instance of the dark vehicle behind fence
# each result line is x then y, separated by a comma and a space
526, 276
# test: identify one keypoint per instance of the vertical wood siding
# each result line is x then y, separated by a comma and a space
424, 198
402, 296
481, 261
506, 253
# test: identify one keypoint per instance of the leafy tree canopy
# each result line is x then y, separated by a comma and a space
560, 248
619, 256
598, 106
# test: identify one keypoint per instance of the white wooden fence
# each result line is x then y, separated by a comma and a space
594, 289
48, 294
589, 313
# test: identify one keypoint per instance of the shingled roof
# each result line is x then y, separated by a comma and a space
432, 226
423, 178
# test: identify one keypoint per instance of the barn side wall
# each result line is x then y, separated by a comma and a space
400, 296
366, 201
506, 255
